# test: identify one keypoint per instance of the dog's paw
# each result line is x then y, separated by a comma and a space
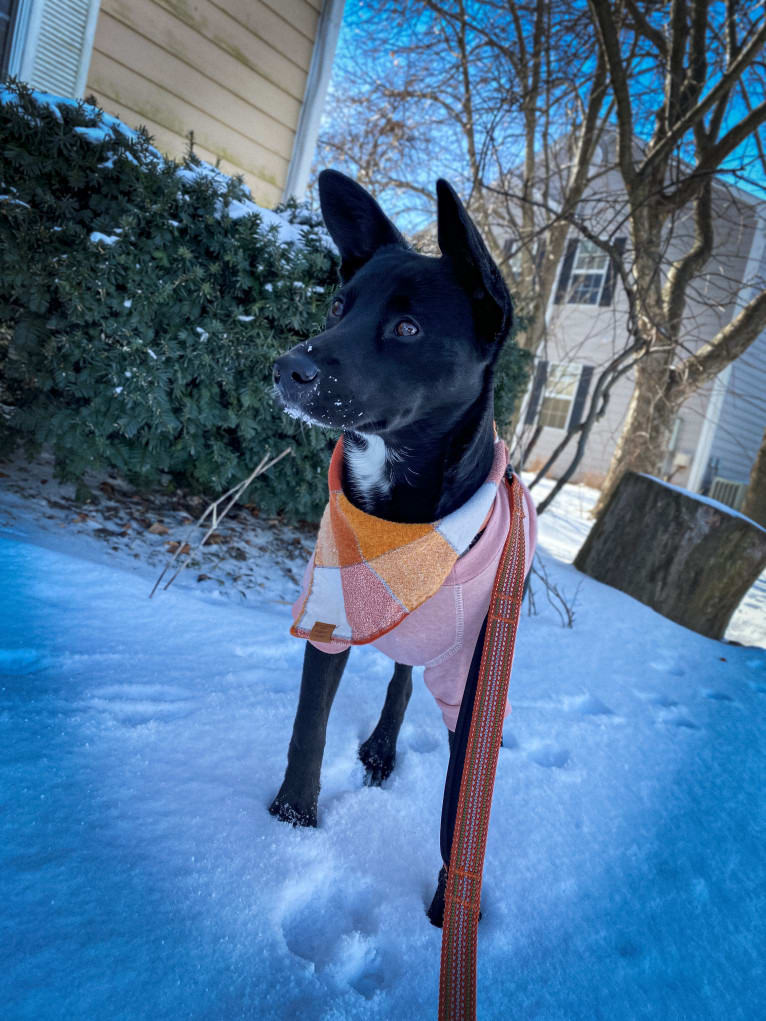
435, 911
378, 762
297, 815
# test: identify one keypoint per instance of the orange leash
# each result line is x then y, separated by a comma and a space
457, 982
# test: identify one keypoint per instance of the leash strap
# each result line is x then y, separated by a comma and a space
457, 983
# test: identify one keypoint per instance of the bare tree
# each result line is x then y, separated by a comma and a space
702, 66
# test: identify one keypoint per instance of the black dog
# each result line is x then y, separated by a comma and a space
405, 370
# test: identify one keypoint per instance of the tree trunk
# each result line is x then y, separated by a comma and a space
688, 559
643, 442
755, 501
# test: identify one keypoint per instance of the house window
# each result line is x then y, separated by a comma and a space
588, 274
560, 390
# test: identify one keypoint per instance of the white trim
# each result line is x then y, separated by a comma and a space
87, 48
307, 132
709, 426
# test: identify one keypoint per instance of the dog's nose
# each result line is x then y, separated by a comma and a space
297, 365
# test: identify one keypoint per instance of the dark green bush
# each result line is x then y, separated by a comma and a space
140, 319
140, 312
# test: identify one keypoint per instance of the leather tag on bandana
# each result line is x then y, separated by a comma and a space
321, 632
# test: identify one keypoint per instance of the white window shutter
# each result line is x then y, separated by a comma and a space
58, 46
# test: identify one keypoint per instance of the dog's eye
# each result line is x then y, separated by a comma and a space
336, 309
406, 328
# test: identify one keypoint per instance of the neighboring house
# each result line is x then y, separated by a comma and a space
248, 78
718, 430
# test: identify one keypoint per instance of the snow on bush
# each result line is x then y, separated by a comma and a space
142, 304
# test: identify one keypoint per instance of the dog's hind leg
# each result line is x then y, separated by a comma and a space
297, 799
378, 753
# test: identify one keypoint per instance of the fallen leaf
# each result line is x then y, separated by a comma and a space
204, 577
173, 547
214, 539
158, 528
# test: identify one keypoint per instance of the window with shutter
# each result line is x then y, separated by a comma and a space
58, 45
560, 390
587, 274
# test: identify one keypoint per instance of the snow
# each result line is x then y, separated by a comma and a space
142, 876
716, 504
288, 233
105, 239
108, 125
108, 122
95, 135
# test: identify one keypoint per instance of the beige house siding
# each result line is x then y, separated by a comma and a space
234, 74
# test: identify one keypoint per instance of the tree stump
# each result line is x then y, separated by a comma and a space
689, 558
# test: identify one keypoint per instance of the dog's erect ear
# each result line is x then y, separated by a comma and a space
357, 224
461, 242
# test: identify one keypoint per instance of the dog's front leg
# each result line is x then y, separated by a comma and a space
378, 753
297, 799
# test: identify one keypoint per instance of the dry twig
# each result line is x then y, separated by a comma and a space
563, 605
184, 548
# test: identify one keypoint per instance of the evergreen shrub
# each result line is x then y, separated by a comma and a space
141, 312
142, 305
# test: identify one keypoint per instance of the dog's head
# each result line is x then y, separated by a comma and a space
408, 337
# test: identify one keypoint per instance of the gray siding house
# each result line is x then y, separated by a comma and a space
718, 431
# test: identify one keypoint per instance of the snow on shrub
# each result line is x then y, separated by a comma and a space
142, 304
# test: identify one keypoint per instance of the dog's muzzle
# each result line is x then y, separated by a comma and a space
295, 367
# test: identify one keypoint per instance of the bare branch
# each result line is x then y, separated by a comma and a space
728, 344
609, 36
731, 75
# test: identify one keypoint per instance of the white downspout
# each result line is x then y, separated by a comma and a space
317, 82
708, 431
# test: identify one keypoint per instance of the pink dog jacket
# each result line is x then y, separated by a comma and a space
441, 633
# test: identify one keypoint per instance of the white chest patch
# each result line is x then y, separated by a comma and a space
367, 467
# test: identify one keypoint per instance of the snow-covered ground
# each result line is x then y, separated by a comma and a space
142, 877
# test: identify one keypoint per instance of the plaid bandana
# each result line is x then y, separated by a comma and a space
367, 573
